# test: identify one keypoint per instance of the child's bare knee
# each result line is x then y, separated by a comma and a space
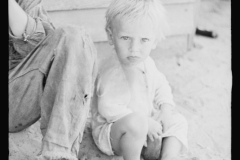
137, 125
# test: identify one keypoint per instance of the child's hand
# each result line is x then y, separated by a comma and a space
166, 116
166, 119
154, 129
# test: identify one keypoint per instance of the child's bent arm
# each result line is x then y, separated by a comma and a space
165, 115
165, 110
163, 93
165, 107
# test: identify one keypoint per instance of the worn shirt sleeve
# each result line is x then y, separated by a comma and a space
38, 26
163, 91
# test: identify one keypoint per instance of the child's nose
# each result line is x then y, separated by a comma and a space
134, 47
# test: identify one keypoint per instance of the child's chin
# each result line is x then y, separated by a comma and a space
132, 64
134, 61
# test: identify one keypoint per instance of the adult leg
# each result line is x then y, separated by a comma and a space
66, 98
66, 61
24, 100
128, 136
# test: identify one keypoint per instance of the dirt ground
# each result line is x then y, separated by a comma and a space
201, 80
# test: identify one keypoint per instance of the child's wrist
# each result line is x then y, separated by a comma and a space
166, 107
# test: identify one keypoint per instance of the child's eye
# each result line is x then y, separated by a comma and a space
145, 39
124, 37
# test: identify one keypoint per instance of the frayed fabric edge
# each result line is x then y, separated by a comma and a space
56, 156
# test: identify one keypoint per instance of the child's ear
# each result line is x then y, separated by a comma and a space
109, 36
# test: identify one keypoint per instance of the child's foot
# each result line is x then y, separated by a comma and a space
153, 149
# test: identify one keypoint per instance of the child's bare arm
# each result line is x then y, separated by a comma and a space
165, 115
166, 108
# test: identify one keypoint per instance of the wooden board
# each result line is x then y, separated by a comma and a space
180, 17
56, 5
92, 20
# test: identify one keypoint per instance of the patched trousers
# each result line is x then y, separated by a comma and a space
55, 82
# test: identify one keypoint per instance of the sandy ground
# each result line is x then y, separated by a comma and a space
201, 80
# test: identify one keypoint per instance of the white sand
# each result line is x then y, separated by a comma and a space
201, 80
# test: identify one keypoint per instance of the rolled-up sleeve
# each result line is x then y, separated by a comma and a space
38, 25
163, 92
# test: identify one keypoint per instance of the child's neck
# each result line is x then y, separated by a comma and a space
139, 66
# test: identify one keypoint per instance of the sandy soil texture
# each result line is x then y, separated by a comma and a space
201, 80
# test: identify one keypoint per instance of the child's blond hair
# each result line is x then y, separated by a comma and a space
134, 9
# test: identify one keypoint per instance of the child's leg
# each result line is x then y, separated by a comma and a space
171, 148
128, 136
153, 149
171, 145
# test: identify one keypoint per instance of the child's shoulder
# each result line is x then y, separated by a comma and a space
152, 68
110, 68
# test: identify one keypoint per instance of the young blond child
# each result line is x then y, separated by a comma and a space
132, 99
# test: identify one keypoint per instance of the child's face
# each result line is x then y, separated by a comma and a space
133, 41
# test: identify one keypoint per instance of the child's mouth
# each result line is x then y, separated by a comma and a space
133, 58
